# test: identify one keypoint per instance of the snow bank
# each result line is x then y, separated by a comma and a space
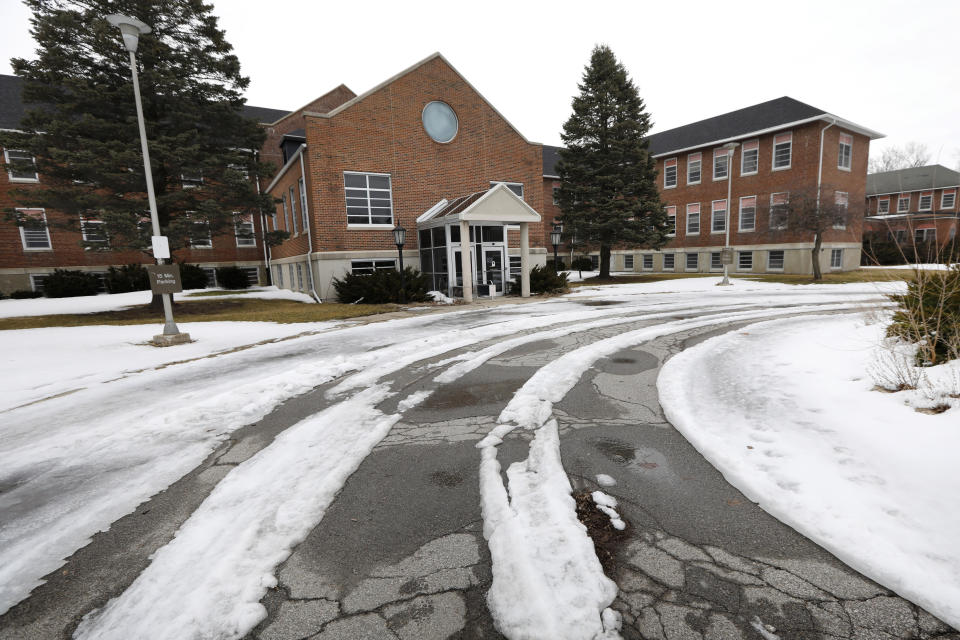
785, 410
439, 296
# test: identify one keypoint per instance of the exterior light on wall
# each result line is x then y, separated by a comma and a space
399, 238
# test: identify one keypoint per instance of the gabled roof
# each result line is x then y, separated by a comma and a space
755, 120
934, 176
496, 204
263, 115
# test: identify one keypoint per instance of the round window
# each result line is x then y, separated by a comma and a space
440, 121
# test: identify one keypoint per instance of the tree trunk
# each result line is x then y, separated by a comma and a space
604, 262
817, 241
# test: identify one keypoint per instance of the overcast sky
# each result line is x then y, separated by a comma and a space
889, 66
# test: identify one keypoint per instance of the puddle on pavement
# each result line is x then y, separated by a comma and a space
476, 393
600, 303
624, 360
626, 455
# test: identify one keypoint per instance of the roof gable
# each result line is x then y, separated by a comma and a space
934, 176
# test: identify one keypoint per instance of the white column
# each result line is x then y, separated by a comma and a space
466, 264
525, 259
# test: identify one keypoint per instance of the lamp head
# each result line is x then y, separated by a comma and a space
399, 235
555, 237
130, 28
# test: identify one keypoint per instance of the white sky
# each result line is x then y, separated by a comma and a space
889, 66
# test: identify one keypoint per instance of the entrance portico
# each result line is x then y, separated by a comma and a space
470, 233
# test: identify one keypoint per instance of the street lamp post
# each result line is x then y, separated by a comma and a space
555, 241
399, 237
132, 29
730, 146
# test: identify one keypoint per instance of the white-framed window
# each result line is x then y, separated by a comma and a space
286, 214
279, 269
628, 262
37, 280
243, 230
721, 164
92, 232
293, 210
716, 261
744, 260
191, 179
903, 203
304, 210
842, 201
22, 173
273, 219
669, 262
925, 235
556, 196
693, 219
694, 166
778, 210
516, 267
775, 260
845, 152
836, 258
948, 199
516, 187
926, 201
299, 277
369, 199
671, 221
200, 234
670, 173
747, 220
883, 206
290, 274
648, 262
35, 239
366, 267
782, 150
693, 261
750, 158
718, 216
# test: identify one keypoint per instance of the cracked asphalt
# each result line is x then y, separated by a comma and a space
400, 554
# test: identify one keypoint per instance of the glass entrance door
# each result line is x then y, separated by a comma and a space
493, 269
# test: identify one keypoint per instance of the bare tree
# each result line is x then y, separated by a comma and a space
814, 211
912, 154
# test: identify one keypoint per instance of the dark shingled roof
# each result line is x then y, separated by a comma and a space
12, 108
296, 133
934, 176
766, 115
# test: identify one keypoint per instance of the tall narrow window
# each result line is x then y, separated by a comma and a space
369, 198
303, 203
21, 166
718, 218
721, 164
836, 258
693, 219
926, 201
35, 236
244, 230
845, 152
670, 173
778, 210
883, 206
628, 262
948, 199
842, 202
748, 213
293, 211
671, 221
286, 214
200, 234
750, 157
782, 151
903, 203
694, 162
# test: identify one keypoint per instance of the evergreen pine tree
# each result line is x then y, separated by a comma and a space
84, 134
608, 193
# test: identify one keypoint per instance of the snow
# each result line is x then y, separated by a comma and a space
769, 404
116, 301
930, 267
439, 296
605, 481
608, 505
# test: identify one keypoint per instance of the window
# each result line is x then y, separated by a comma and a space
670, 173
883, 206
516, 187
93, 233
253, 275
845, 152
782, 151
211, 274
648, 262
37, 280
778, 210
716, 261
669, 262
299, 277
290, 273
693, 219
948, 199
440, 122
556, 195
516, 265
901, 235
745, 261
750, 158
926, 201
694, 160
369, 198
366, 267
748, 213
925, 235
279, 275
26, 166
903, 203
628, 262
286, 214
243, 226
693, 261
775, 260
718, 217
836, 258
35, 236
720, 164
671, 221
200, 234
303, 204
293, 211
841, 200
191, 179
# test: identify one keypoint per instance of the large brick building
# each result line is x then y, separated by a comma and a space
915, 205
781, 146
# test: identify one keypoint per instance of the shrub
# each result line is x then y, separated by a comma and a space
63, 283
232, 278
582, 263
192, 276
382, 286
560, 266
22, 294
543, 279
929, 315
130, 277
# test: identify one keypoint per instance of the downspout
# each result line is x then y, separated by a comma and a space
263, 226
306, 210
816, 256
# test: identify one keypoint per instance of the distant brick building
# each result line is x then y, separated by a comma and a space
912, 206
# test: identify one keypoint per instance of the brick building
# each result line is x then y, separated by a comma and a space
781, 146
912, 206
